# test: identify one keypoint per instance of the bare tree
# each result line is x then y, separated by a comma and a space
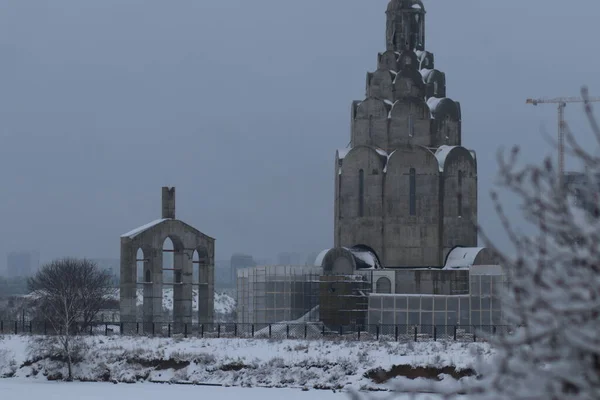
69, 294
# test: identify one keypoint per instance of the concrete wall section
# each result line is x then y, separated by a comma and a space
411, 240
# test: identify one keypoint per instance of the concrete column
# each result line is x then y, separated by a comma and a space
204, 312
153, 295
127, 295
182, 292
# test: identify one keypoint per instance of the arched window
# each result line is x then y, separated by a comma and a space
383, 285
413, 192
459, 194
361, 193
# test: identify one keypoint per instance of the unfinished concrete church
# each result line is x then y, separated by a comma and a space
405, 256
406, 188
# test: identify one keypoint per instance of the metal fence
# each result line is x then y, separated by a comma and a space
277, 331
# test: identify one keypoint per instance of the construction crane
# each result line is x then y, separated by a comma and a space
562, 104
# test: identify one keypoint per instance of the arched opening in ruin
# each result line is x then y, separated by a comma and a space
201, 282
139, 262
143, 275
168, 278
195, 281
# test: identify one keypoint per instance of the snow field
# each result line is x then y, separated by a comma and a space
240, 362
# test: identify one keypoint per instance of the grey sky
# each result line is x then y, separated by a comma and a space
241, 104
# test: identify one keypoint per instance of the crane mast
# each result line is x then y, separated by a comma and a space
562, 104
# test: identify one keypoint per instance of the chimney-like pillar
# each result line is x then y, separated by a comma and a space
168, 202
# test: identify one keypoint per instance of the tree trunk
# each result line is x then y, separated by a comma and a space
68, 354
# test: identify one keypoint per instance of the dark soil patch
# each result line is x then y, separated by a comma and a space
234, 366
160, 364
379, 375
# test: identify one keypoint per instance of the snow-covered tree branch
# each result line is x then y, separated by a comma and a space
553, 299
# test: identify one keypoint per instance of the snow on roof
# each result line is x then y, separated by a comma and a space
462, 257
425, 73
366, 257
473, 154
132, 234
388, 161
381, 152
320, 257
441, 154
343, 152
433, 103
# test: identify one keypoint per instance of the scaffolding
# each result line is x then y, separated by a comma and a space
270, 294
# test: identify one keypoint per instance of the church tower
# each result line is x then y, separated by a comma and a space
406, 188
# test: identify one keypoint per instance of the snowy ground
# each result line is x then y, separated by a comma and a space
242, 363
23, 389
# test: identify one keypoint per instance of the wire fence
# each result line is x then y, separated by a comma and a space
277, 331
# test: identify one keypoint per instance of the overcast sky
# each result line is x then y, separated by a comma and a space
241, 105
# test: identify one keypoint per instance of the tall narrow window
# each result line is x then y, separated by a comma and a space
411, 125
361, 193
413, 194
459, 195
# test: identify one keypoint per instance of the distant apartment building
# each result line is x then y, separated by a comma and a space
239, 261
22, 263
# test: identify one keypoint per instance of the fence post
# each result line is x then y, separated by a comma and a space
1, 326
235, 330
30, 327
153, 329
415, 333
269, 331
323, 330
287, 331
305, 331
201, 330
455, 329
358, 329
16, 327
137, 328
396, 332
122, 328
341, 330
219, 331
474, 333
435, 333
377, 332
169, 330
494, 330
252, 330
105, 329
